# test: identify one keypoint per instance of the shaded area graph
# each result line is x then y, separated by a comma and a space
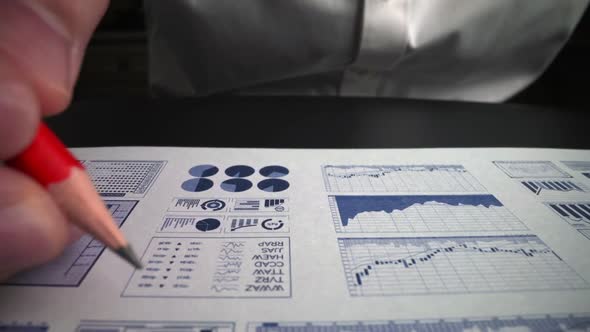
400, 178
421, 213
396, 266
537, 186
534, 323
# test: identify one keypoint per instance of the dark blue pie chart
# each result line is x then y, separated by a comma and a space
197, 185
207, 225
239, 171
236, 185
203, 171
273, 185
274, 171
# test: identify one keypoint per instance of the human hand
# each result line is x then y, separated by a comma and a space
42, 43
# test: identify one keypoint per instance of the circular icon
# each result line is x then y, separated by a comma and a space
239, 171
280, 208
207, 225
273, 185
213, 204
274, 171
272, 225
203, 171
236, 185
197, 185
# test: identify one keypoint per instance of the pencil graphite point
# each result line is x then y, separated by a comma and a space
129, 255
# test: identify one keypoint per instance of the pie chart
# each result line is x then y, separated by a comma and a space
273, 185
236, 185
239, 171
203, 171
207, 225
197, 185
274, 171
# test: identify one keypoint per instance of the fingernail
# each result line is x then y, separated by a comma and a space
37, 40
16, 251
19, 115
26, 237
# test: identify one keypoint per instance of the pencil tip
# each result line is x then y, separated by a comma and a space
129, 255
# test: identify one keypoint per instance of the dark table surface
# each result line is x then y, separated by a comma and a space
310, 122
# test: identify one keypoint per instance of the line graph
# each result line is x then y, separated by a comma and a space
421, 213
560, 322
400, 178
397, 266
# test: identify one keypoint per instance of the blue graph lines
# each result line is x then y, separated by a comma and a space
536, 186
396, 266
400, 178
533, 323
424, 213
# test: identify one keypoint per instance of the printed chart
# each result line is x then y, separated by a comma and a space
421, 213
213, 267
228, 224
157, 326
396, 266
531, 169
400, 178
537, 323
577, 214
538, 186
580, 166
123, 178
238, 205
77, 260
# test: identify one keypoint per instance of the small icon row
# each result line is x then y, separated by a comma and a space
229, 224
242, 205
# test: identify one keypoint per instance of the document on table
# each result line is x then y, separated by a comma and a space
324, 240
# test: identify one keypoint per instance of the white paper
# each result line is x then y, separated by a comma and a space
324, 240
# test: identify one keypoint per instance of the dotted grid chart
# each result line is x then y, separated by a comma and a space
123, 178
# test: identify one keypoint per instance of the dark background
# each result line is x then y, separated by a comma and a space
116, 63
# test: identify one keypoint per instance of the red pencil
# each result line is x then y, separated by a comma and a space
50, 163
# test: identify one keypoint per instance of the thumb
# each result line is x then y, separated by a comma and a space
32, 228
